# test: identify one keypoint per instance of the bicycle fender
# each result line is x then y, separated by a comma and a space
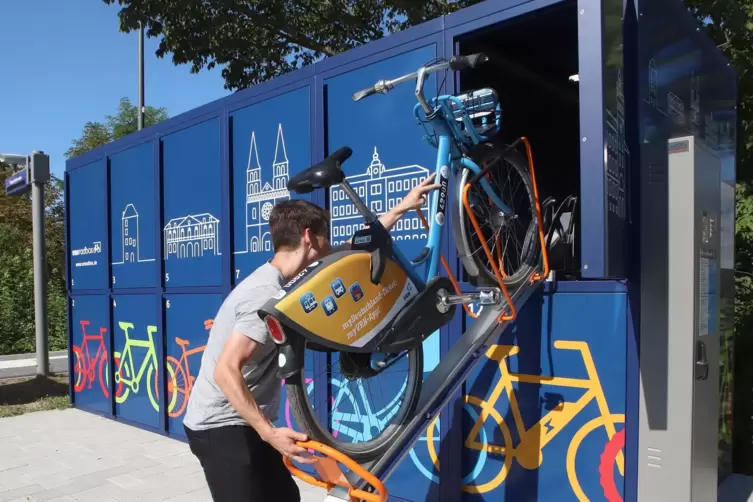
288, 361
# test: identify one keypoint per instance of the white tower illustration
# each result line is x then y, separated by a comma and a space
130, 232
261, 198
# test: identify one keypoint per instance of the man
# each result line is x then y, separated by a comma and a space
236, 397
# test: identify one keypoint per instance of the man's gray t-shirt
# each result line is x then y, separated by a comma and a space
208, 406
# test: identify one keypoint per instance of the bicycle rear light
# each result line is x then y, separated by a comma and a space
275, 329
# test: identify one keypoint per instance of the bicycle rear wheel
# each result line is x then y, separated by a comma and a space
512, 240
364, 427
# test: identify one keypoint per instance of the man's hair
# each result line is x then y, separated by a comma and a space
289, 219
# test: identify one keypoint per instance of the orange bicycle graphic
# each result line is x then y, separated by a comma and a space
181, 381
528, 451
84, 364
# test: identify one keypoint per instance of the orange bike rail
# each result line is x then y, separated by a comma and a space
331, 474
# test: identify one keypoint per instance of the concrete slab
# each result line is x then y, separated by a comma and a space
73, 456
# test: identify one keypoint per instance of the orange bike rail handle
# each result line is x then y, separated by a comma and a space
333, 476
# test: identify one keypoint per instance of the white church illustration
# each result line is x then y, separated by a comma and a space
260, 198
192, 236
129, 230
381, 189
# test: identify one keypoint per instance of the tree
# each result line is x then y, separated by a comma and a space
260, 40
123, 123
17, 273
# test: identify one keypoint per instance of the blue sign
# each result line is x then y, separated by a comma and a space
132, 218
87, 226
137, 357
189, 319
271, 143
191, 200
17, 183
90, 352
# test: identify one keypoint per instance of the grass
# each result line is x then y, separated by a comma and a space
24, 395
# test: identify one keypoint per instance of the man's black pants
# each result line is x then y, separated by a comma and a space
240, 467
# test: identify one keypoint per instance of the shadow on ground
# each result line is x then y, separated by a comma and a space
19, 391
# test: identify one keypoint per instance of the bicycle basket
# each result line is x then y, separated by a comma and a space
480, 107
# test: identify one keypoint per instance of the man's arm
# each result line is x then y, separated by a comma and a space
248, 333
228, 374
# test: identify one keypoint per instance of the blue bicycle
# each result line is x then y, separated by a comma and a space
367, 304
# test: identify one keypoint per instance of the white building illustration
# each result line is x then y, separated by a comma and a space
129, 231
192, 236
261, 198
381, 189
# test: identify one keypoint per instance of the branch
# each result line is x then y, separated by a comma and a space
291, 35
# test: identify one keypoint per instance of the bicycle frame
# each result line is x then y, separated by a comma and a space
451, 143
127, 357
92, 361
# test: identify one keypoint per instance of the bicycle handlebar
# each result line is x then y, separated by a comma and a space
456, 63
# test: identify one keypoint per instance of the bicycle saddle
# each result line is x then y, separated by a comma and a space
322, 175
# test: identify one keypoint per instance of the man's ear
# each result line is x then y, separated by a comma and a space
307, 237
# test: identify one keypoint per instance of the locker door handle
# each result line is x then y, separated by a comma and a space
701, 363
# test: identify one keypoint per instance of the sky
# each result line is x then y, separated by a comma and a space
63, 63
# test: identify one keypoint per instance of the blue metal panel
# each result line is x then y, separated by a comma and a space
191, 204
188, 319
592, 175
485, 14
132, 218
88, 227
543, 407
137, 356
271, 142
90, 352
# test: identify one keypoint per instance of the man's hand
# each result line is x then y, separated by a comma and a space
284, 439
416, 198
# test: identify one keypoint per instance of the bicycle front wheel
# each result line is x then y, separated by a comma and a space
511, 238
361, 426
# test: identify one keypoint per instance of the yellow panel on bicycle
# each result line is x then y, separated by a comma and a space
342, 305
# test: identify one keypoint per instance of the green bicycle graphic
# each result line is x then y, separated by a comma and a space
127, 378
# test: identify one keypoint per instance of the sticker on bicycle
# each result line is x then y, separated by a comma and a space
322, 306
444, 179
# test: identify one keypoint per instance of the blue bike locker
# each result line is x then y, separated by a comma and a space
163, 223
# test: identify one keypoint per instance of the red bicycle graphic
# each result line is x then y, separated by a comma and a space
84, 365
181, 381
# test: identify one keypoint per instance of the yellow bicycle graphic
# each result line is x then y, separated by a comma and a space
127, 379
528, 452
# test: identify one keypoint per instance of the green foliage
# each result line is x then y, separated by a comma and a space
17, 274
259, 40
123, 123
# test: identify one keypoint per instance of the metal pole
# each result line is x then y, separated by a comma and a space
40, 265
141, 75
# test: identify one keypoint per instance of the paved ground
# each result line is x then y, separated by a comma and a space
21, 365
71, 455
